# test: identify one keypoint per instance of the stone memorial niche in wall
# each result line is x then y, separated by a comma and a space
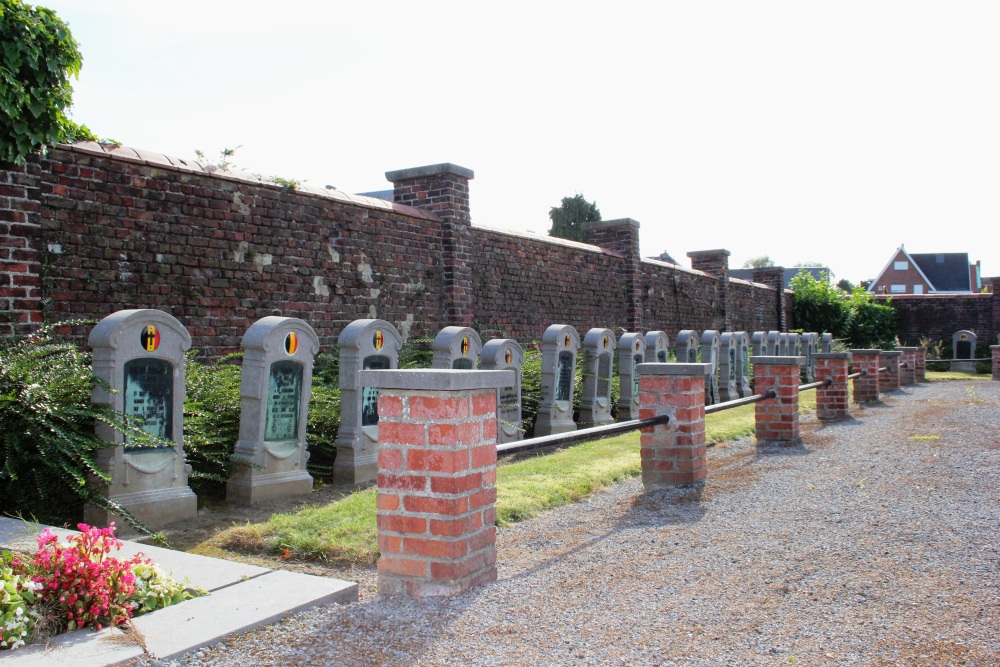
657, 346
278, 355
598, 361
759, 343
963, 346
365, 345
140, 354
826, 346
456, 348
686, 347
631, 352
772, 344
728, 363
710, 355
560, 343
501, 354
743, 388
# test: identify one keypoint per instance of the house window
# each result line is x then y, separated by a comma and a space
901, 266
918, 289
897, 289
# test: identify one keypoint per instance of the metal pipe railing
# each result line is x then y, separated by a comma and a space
718, 407
573, 437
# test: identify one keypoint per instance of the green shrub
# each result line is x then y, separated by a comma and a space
819, 305
321, 431
211, 422
417, 353
870, 324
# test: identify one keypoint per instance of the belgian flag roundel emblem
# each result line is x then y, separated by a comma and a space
566, 341
606, 342
508, 356
150, 338
465, 345
636, 344
291, 343
378, 340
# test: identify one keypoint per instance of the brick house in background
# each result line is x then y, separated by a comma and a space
928, 273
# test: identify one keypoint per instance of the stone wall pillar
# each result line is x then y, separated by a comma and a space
831, 400
995, 351
868, 386
908, 366
890, 379
774, 276
920, 365
622, 236
777, 419
673, 454
443, 189
436, 482
716, 264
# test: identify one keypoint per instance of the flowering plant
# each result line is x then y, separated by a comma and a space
17, 593
154, 588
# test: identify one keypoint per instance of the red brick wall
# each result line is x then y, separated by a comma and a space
938, 316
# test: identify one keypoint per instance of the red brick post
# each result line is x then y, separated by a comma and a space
889, 381
995, 351
866, 387
436, 484
908, 366
921, 364
831, 400
673, 454
777, 419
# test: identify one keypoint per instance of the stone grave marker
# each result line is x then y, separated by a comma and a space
728, 363
758, 343
686, 346
560, 343
502, 354
598, 361
810, 348
743, 388
364, 345
657, 345
140, 354
631, 353
710, 355
456, 348
826, 344
278, 354
783, 345
963, 346
772, 348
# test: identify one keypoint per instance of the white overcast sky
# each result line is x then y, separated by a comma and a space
807, 131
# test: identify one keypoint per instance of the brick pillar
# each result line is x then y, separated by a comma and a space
777, 419
995, 351
443, 189
774, 276
673, 454
21, 250
920, 373
716, 264
891, 359
995, 282
908, 365
866, 387
436, 484
831, 401
622, 237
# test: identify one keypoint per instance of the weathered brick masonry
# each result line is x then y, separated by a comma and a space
937, 316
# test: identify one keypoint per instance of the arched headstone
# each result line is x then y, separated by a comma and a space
364, 345
456, 348
728, 364
560, 343
598, 361
810, 348
657, 347
502, 354
759, 343
963, 346
278, 355
827, 343
773, 344
783, 345
743, 364
631, 353
140, 355
710, 355
686, 346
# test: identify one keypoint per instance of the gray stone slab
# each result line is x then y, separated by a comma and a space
203, 621
673, 369
777, 361
436, 379
84, 648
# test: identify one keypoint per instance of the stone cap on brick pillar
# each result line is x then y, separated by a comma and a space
429, 170
832, 355
867, 351
892, 353
712, 262
777, 361
606, 224
673, 369
709, 253
418, 379
906, 349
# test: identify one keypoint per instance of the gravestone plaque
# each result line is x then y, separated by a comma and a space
773, 346
810, 348
456, 348
963, 346
728, 364
140, 355
686, 346
368, 344
759, 343
631, 353
827, 343
710, 355
278, 355
657, 346
598, 356
560, 343
743, 388
502, 354
783, 350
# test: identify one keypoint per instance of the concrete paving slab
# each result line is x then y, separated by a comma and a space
84, 648
201, 622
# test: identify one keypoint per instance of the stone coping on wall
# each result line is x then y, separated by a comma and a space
436, 379
776, 361
161, 161
832, 355
546, 239
657, 262
673, 369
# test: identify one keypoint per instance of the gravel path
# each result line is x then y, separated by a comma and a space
875, 543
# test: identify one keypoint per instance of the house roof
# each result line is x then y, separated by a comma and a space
947, 272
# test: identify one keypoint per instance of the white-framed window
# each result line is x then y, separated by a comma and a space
897, 289
918, 289
901, 266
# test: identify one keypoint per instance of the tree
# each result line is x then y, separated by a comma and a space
762, 262
568, 218
818, 305
846, 285
37, 56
